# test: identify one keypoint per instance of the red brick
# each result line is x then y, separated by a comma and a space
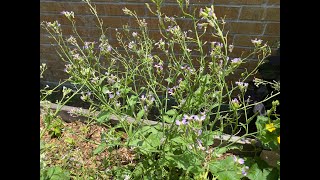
50, 7
116, 9
115, 22
49, 57
273, 2
272, 29
152, 23
193, 1
228, 12
251, 13
244, 28
272, 14
185, 24
246, 2
171, 10
220, 11
245, 40
240, 52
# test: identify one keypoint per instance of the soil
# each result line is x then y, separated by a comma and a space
79, 154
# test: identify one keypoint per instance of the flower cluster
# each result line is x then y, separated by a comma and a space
85, 96
256, 42
68, 14
188, 118
241, 162
242, 86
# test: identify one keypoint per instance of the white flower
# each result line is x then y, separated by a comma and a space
256, 41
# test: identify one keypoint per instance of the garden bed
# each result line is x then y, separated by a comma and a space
75, 150
250, 146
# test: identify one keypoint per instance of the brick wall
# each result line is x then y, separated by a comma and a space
246, 20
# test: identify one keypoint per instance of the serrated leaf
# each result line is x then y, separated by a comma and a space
100, 148
179, 140
225, 169
186, 161
255, 173
167, 119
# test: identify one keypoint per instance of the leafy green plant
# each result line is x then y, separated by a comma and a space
54, 173
173, 80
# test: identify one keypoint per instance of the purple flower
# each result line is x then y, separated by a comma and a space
200, 144
235, 158
186, 117
111, 95
86, 45
201, 11
235, 101
199, 132
241, 161
241, 84
235, 60
244, 170
178, 122
184, 121
169, 28
210, 12
109, 48
200, 25
170, 91
131, 44
158, 66
143, 98
117, 93
200, 118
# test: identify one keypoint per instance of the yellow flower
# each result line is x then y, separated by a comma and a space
278, 138
270, 127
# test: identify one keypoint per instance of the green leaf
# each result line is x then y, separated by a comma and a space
207, 138
100, 148
187, 161
172, 112
42, 145
169, 80
105, 89
140, 114
57, 173
179, 140
167, 119
255, 173
154, 139
132, 101
225, 169
103, 117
